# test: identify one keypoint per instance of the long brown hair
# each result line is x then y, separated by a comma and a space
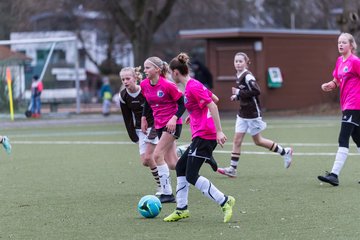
181, 63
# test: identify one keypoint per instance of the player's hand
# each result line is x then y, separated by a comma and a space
187, 120
171, 125
329, 86
221, 138
233, 97
144, 125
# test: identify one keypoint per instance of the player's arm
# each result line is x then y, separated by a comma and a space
331, 85
253, 91
146, 111
181, 107
171, 125
220, 136
129, 122
214, 98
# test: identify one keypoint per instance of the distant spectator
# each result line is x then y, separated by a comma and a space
202, 74
36, 90
106, 96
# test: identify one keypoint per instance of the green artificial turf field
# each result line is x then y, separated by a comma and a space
84, 182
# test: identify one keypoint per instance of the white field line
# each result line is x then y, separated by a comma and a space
295, 153
72, 142
178, 143
292, 126
68, 134
105, 133
216, 151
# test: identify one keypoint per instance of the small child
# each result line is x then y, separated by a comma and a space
106, 95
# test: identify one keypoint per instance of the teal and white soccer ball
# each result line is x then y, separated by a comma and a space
180, 150
149, 206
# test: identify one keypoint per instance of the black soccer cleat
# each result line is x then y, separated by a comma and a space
164, 198
213, 164
330, 178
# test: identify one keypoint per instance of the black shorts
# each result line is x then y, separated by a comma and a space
351, 116
202, 148
176, 134
191, 161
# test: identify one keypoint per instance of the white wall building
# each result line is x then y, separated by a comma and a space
64, 51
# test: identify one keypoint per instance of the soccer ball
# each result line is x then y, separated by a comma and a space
180, 150
149, 206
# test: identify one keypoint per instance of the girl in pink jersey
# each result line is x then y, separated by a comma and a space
167, 104
347, 77
206, 133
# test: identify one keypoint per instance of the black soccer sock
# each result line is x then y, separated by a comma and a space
234, 159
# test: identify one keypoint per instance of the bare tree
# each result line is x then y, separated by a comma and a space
201, 14
13, 16
349, 19
139, 20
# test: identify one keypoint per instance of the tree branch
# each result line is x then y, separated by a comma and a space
120, 16
78, 33
163, 13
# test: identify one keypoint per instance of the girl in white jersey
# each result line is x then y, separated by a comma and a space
347, 77
206, 134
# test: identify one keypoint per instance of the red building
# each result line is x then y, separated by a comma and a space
305, 58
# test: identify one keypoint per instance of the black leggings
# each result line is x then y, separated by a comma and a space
347, 130
189, 164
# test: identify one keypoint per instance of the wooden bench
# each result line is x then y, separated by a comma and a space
55, 97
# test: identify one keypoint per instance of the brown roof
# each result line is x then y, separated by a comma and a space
6, 54
246, 32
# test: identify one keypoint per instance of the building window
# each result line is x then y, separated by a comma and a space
58, 56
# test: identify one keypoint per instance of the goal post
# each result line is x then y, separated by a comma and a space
53, 41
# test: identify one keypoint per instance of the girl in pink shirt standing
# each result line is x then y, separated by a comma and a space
206, 134
166, 102
347, 77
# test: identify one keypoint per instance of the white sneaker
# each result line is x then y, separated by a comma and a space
228, 171
158, 191
288, 157
181, 149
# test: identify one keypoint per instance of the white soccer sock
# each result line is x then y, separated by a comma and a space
280, 149
164, 176
182, 192
209, 190
234, 164
340, 159
358, 149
